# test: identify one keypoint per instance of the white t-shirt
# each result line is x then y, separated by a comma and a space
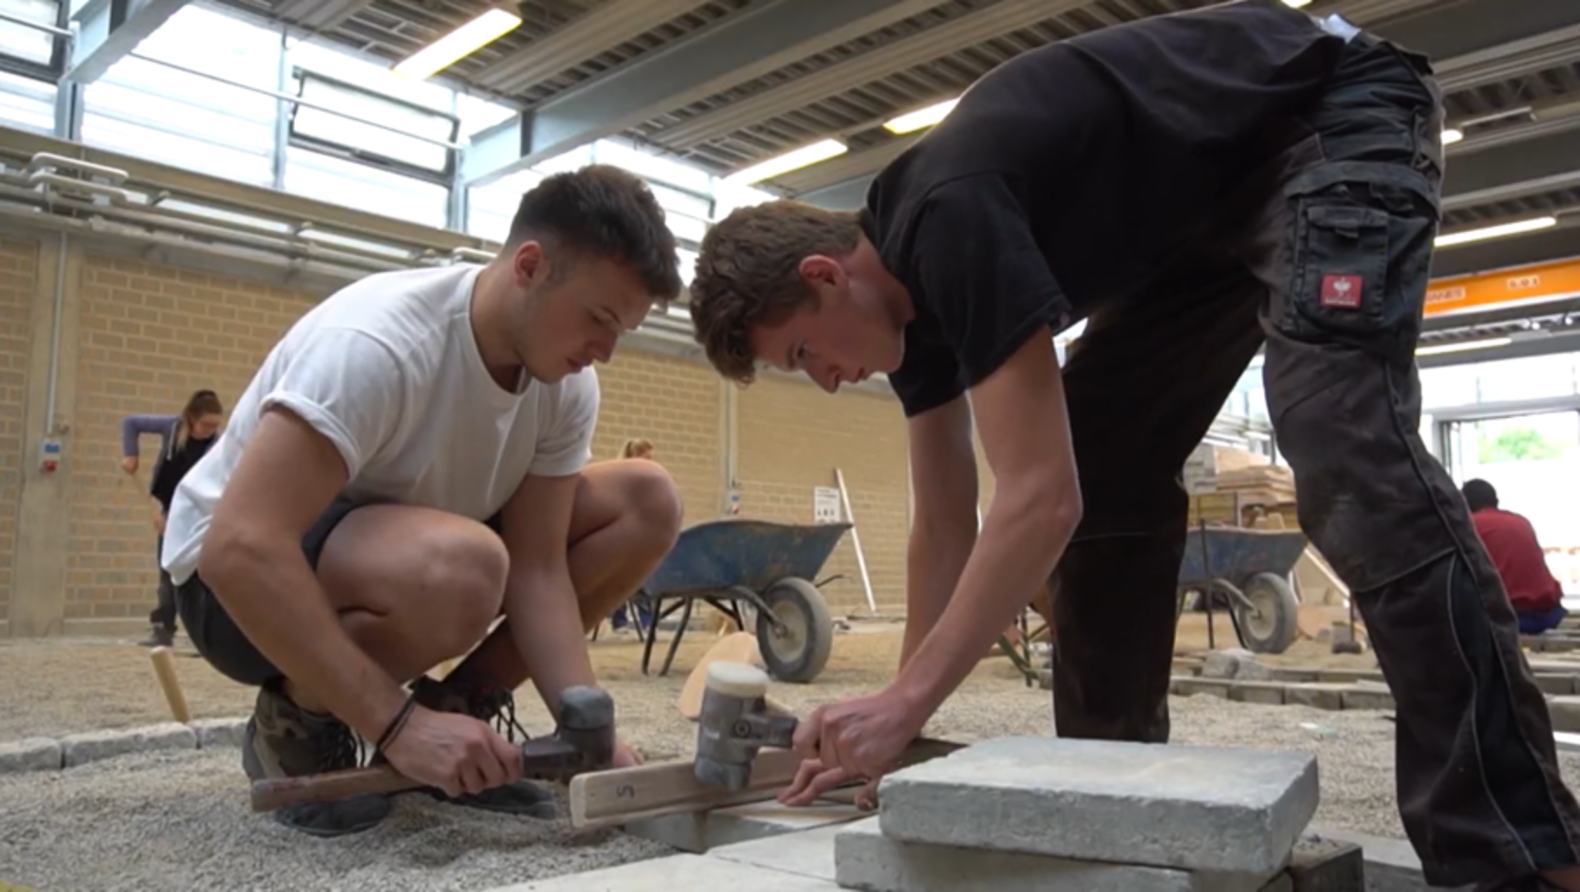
388, 369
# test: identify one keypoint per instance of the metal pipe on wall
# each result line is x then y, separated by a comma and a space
50, 427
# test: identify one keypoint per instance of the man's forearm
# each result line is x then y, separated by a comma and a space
546, 626
935, 557
1020, 542
275, 598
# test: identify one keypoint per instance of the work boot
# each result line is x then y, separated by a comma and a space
284, 740
497, 706
159, 636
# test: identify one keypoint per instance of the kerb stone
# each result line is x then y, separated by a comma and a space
1319, 695
219, 732
1326, 865
80, 749
1565, 712
30, 754
1220, 809
1269, 693
866, 859
1188, 685
1364, 697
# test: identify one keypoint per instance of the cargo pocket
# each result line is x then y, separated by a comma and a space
1339, 267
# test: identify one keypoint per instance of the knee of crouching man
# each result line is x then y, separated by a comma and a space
655, 501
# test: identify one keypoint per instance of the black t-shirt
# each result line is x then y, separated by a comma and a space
174, 465
1067, 175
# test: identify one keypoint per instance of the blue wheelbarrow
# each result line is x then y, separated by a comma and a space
768, 566
1247, 571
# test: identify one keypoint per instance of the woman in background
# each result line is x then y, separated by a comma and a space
184, 439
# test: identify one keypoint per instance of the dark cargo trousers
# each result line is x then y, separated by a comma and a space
1325, 259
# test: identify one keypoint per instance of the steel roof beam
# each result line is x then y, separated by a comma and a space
747, 45
931, 44
320, 15
579, 40
109, 29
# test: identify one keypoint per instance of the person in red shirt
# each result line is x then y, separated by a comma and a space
1535, 594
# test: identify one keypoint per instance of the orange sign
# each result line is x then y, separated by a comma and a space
1506, 288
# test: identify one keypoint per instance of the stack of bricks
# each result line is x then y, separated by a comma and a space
1033, 813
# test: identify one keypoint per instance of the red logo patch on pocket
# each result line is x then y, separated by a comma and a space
1342, 292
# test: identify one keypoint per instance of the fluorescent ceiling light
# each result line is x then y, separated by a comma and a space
1297, 3
458, 44
1452, 135
1476, 235
1463, 346
794, 160
924, 117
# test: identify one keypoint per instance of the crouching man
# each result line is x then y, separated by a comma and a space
410, 465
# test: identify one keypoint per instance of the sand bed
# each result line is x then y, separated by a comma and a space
180, 821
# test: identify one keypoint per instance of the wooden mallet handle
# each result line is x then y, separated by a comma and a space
275, 793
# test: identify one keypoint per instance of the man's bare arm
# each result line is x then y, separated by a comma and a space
540, 600
252, 560
1025, 431
944, 490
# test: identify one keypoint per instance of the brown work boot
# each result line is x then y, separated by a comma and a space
497, 706
284, 740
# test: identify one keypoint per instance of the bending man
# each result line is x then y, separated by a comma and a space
1194, 186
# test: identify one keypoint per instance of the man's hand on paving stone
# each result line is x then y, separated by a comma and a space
862, 738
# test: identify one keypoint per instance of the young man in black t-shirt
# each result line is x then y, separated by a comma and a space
1194, 186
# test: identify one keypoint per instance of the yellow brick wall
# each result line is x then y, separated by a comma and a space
150, 335
675, 404
18, 274
791, 438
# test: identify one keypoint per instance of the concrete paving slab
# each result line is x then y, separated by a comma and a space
677, 873
1268, 693
805, 852
219, 732
1555, 683
1565, 712
1358, 697
704, 831
1234, 810
867, 859
1186, 686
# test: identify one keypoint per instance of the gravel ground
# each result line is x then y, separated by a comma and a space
180, 821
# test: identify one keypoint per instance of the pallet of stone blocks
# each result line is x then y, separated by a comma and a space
1016, 814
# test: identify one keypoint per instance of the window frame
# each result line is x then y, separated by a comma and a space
56, 68
444, 177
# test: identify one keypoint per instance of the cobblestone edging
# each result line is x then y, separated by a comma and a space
51, 754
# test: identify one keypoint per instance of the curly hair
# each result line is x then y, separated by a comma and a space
748, 275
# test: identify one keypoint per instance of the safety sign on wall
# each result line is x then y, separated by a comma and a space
825, 504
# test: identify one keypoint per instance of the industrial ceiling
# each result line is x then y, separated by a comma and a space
729, 83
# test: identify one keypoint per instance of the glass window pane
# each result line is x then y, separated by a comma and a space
336, 64
341, 131
491, 208
478, 115
27, 104
365, 188
654, 168
22, 42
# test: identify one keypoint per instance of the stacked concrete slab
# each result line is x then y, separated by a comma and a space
1052, 815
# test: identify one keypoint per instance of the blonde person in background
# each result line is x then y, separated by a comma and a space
634, 448
184, 439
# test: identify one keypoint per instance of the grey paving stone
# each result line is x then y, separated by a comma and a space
1553, 683
92, 746
1234, 810
30, 754
867, 859
1326, 865
1565, 712
806, 852
1391, 864
219, 732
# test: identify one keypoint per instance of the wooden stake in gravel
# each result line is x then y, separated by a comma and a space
165, 670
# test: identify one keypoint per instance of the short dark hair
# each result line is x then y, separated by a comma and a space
1479, 494
605, 212
748, 275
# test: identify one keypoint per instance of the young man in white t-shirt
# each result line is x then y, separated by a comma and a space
409, 464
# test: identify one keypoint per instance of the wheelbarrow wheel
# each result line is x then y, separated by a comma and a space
798, 652
1272, 621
